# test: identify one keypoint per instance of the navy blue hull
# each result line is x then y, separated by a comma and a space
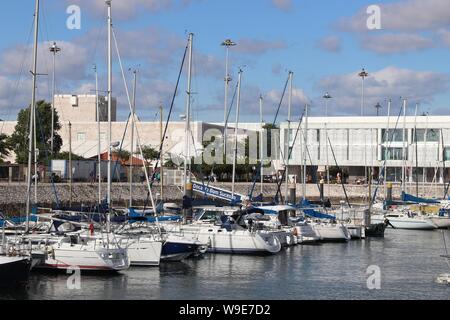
175, 251
15, 272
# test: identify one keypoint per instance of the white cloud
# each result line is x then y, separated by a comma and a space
256, 46
127, 9
330, 44
284, 5
405, 15
390, 82
395, 43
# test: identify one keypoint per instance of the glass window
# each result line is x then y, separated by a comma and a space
432, 135
81, 137
447, 154
393, 154
393, 135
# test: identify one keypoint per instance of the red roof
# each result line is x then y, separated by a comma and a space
115, 157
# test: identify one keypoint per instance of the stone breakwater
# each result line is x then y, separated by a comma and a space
13, 196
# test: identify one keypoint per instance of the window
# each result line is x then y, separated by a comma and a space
393, 135
432, 135
447, 154
393, 154
81, 137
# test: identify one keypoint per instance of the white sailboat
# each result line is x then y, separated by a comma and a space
401, 220
227, 234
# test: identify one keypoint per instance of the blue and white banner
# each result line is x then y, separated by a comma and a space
217, 193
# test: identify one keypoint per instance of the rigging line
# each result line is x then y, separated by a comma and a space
159, 159
46, 152
281, 102
290, 154
160, 153
384, 153
138, 139
339, 169
21, 73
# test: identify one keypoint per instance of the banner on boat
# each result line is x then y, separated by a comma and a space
217, 193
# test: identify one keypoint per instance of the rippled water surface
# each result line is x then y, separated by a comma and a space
409, 263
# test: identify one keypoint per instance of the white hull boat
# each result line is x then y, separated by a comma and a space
142, 251
402, 221
305, 233
332, 232
440, 222
74, 252
356, 232
221, 240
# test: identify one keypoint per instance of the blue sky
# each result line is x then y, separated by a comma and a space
324, 42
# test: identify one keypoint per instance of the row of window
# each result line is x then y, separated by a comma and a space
81, 136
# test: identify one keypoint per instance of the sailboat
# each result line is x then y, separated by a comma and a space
70, 250
15, 262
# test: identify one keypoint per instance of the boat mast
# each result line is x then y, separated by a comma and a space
415, 149
188, 117
261, 120
99, 143
32, 114
238, 105
161, 158
386, 137
305, 136
287, 139
404, 147
132, 137
108, 217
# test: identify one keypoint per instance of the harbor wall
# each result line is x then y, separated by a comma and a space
13, 196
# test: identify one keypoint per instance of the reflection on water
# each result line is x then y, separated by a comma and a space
409, 262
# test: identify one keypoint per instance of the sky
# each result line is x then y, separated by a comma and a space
325, 43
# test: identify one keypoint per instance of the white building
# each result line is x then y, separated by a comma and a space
361, 142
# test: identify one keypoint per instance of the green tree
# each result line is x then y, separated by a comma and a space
65, 156
19, 139
4, 147
149, 153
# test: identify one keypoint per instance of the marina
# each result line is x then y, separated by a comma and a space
329, 271
301, 206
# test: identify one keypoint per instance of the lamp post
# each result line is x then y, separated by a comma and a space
363, 74
54, 49
378, 107
227, 44
327, 97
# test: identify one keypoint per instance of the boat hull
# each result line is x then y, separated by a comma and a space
332, 233
142, 252
406, 223
179, 249
14, 270
236, 241
63, 258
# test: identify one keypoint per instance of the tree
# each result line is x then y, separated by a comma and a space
4, 147
65, 156
19, 139
149, 153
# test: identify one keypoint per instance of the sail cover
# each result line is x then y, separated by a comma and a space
410, 198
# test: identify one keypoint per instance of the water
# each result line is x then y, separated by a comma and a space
409, 262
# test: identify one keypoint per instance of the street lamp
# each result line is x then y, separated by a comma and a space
378, 107
363, 74
54, 49
227, 44
327, 97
